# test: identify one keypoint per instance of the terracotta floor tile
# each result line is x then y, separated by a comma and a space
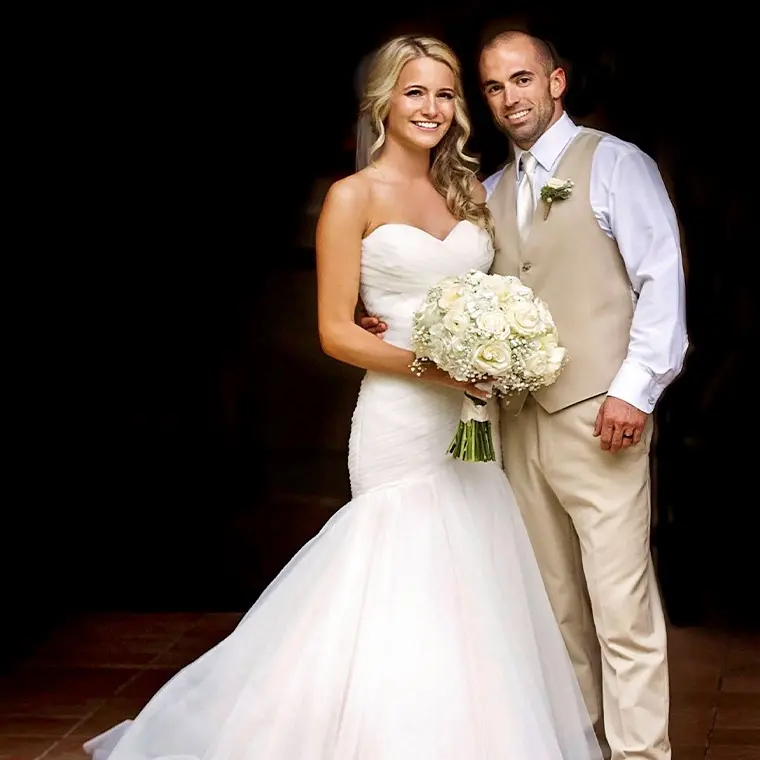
190, 646
735, 737
689, 726
146, 683
741, 679
217, 624
113, 653
53, 683
688, 753
178, 658
23, 748
134, 625
742, 671
725, 752
697, 645
112, 712
742, 651
33, 725
686, 678
740, 711
66, 749
62, 706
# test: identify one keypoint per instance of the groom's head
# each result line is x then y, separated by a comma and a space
523, 85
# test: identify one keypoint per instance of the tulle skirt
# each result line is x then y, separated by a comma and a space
415, 626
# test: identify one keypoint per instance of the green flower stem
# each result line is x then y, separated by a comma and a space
473, 442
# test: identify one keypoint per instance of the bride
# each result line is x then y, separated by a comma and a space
415, 626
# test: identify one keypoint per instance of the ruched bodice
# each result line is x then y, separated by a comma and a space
402, 427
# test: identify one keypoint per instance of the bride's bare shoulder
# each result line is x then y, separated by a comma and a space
347, 205
350, 193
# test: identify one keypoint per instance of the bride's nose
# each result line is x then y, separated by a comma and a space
430, 106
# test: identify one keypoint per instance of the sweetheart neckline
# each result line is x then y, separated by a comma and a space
419, 229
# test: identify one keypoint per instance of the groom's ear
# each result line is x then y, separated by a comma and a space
557, 83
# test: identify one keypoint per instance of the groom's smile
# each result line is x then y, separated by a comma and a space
516, 116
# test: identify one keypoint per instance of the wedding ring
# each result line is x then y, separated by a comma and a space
627, 435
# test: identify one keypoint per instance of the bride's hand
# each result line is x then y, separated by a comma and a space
438, 376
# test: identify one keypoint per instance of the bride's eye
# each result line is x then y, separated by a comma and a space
414, 93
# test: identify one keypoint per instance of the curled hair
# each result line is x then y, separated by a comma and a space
452, 170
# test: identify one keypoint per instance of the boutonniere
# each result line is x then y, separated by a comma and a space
555, 190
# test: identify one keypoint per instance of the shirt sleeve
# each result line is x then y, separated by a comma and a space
643, 222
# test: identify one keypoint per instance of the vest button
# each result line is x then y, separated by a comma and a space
526, 266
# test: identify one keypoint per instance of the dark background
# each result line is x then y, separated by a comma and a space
181, 435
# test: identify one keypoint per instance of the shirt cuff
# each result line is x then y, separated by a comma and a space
635, 384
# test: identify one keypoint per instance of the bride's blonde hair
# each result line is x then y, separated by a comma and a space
452, 171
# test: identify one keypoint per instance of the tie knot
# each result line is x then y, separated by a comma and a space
528, 162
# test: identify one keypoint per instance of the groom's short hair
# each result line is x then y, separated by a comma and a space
545, 51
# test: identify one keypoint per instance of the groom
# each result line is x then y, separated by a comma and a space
606, 258
607, 261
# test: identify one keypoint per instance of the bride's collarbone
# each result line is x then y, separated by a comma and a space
416, 206
438, 225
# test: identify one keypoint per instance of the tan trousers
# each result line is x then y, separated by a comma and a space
587, 512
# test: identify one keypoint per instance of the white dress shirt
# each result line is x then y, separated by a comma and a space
632, 206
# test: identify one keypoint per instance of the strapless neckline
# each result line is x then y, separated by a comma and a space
419, 229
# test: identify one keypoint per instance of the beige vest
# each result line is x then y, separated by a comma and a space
577, 270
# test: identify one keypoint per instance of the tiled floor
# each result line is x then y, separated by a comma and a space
100, 669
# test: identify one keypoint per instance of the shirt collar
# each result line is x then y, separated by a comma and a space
550, 146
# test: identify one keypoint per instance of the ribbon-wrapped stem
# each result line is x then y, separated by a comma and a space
473, 441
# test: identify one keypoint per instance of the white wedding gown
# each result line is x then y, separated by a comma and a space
415, 626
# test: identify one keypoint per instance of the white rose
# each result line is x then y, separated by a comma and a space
435, 350
494, 323
511, 287
456, 346
518, 288
438, 333
451, 297
456, 321
524, 317
536, 364
555, 358
558, 184
492, 358
475, 277
448, 282
544, 314
429, 315
497, 284
548, 341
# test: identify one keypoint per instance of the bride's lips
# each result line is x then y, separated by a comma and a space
426, 126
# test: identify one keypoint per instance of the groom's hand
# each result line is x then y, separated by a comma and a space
366, 322
373, 325
619, 424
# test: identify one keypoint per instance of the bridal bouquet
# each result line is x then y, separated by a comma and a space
491, 330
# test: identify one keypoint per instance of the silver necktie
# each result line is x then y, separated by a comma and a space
525, 202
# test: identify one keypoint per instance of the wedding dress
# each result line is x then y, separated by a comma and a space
415, 625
